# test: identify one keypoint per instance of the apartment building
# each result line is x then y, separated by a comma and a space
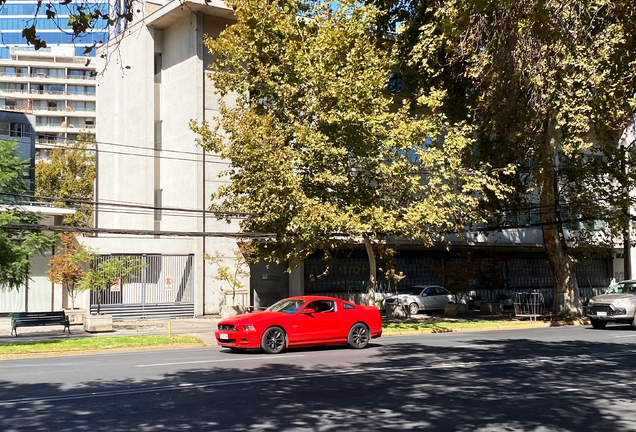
54, 85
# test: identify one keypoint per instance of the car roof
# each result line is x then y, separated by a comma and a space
310, 298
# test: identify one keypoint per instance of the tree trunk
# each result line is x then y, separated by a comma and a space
565, 289
372, 272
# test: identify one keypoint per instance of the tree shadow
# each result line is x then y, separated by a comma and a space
511, 385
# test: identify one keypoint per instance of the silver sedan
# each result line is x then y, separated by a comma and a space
421, 298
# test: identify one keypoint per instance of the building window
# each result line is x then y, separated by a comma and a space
158, 203
20, 130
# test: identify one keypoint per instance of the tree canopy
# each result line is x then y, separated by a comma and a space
69, 173
16, 245
319, 151
547, 86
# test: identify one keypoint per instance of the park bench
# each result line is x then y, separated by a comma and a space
32, 319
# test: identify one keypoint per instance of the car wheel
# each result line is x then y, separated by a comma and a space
633, 324
598, 324
414, 309
358, 336
273, 340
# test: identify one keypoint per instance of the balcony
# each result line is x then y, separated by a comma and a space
40, 94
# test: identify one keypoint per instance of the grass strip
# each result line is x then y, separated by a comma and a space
95, 343
449, 324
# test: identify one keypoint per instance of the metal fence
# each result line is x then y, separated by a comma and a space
164, 288
518, 273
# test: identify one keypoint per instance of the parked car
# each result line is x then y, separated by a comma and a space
421, 298
618, 305
296, 321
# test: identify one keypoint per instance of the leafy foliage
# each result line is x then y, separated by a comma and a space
320, 152
235, 274
69, 173
107, 273
547, 86
16, 245
66, 266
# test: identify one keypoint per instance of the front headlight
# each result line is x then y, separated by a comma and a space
621, 302
248, 327
590, 303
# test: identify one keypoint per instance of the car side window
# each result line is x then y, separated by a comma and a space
322, 306
429, 291
348, 306
441, 291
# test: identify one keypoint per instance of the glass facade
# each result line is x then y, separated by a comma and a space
15, 15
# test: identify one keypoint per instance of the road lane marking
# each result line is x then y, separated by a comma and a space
632, 335
218, 361
559, 360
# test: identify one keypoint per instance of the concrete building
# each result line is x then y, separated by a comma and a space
19, 127
148, 157
54, 85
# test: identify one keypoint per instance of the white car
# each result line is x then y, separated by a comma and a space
421, 297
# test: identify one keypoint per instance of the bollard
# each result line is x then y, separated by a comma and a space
169, 328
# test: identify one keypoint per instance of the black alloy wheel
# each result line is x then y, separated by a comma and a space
358, 336
273, 340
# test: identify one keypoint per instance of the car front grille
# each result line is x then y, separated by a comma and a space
602, 308
227, 327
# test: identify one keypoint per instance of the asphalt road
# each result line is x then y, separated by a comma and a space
549, 379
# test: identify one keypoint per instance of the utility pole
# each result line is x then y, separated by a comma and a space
627, 240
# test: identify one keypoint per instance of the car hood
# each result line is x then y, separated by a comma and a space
608, 298
251, 318
402, 296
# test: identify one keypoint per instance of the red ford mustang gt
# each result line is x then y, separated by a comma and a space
295, 321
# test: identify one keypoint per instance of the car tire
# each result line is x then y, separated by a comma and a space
359, 336
633, 324
598, 324
414, 309
273, 340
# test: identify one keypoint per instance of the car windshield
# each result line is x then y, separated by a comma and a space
623, 288
286, 306
411, 291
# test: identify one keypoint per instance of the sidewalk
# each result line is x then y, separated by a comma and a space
202, 328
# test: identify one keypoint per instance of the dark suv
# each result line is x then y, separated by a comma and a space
617, 305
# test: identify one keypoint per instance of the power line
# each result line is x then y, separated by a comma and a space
134, 206
57, 228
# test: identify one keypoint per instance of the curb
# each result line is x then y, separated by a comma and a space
389, 332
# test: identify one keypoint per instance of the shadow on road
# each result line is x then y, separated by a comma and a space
508, 385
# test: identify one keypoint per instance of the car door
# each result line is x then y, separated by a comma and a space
443, 297
428, 298
325, 323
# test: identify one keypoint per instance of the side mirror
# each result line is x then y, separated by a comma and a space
308, 311
424, 294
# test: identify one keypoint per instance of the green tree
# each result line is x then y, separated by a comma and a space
320, 152
107, 273
69, 173
16, 244
66, 267
547, 86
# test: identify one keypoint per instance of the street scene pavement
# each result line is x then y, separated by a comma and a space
570, 378
202, 328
